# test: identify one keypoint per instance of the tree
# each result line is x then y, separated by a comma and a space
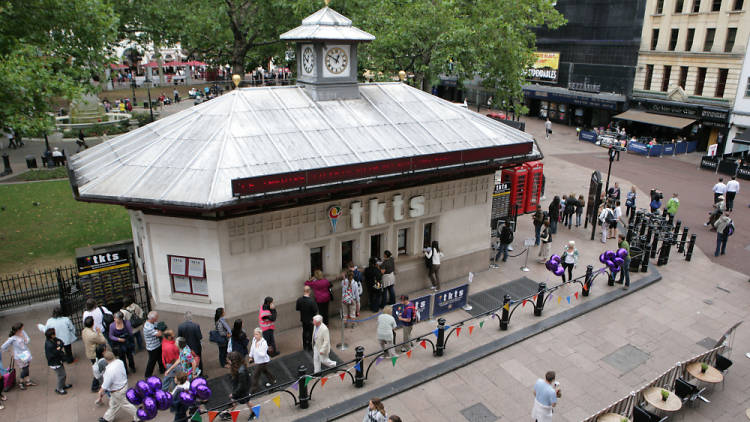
49, 49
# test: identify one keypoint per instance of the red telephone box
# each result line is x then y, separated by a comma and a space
517, 178
533, 185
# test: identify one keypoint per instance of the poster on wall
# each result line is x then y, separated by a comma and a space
200, 286
177, 265
545, 68
196, 267
103, 262
181, 284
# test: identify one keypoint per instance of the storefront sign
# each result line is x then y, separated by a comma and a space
571, 97
682, 110
715, 116
377, 210
709, 162
103, 262
449, 300
545, 69
422, 304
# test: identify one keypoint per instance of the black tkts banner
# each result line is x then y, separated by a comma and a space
103, 261
708, 162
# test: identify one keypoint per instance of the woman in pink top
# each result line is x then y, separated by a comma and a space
321, 290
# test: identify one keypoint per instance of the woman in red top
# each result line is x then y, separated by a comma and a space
169, 350
321, 290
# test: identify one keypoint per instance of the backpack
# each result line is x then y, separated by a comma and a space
428, 262
414, 314
610, 217
348, 296
107, 319
729, 229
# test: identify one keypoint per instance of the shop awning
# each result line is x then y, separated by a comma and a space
655, 119
742, 138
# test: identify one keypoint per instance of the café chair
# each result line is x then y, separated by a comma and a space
723, 364
688, 392
642, 415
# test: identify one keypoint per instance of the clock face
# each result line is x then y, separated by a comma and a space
308, 60
336, 60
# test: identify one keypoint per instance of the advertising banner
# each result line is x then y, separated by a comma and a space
103, 261
422, 304
450, 300
545, 69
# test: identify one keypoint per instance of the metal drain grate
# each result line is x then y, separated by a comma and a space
479, 413
492, 298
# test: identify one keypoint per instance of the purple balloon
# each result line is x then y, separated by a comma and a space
161, 400
610, 263
143, 389
602, 259
187, 398
619, 261
615, 269
133, 397
622, 253
550, 265
149, 404
610, 255
196, 382
143, 415
154, 383
559, 270
555, 259
203, 392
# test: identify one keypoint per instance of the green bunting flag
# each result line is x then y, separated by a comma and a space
394, 359
481, 323
307, 379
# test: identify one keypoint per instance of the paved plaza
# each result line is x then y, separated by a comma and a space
599, 357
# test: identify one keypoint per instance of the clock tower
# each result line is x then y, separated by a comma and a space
326, 54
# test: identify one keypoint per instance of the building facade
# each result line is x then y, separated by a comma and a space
738, 140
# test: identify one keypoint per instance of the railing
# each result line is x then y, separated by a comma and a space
28, 288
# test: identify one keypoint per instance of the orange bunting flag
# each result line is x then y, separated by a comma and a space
323, 381
277, 401
212, 415
523, 303
576, 295
408, 354
585, 287
342, 375
471, 328
559, 299
235, 414
534, 298
423, 343
458, 331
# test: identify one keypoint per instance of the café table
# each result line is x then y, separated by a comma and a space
711, 376
611, 417
652, 395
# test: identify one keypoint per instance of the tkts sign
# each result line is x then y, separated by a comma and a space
375, 209
102, 262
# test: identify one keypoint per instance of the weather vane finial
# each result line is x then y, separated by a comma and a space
326, 2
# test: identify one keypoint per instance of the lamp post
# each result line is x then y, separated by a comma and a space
609, 170
132, 86
148, 89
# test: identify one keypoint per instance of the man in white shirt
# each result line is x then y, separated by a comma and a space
115, 381
733, 186
96, 312
321, 340
719, 189
547, 129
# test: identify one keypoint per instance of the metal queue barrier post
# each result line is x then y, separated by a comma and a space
467, 307
342, 346
527, 243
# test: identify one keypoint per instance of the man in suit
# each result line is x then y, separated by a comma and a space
307, 310
321, 341
191, 332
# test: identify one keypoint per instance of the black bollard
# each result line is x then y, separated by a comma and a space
649, 233
304, 399
505, 319
664, 212
644, 260
629, 236
440, 346
540, 299
6, 164
641, 223
670, 219
359, 375
588, 280
677, 226
664, 253
689, 254
655, 244
683, 240
610, 278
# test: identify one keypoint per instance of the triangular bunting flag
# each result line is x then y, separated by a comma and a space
481, 323
523, 303
423, 343
568, 298
506, 307
408, 354
295, 386
394, 359
323, 381
197, 417
559, 298
576, 295
256, 410
435, 331
534, 298
212, 415
307, 379
358, 367
235, 414
342, 375
378, 360
585, 287
277, 401
458, 331
471, 328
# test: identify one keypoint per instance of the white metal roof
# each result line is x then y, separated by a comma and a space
190, 158
327, 24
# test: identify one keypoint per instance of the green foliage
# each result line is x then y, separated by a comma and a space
142, 118
664, 394
121, 127
54, 227
40, 174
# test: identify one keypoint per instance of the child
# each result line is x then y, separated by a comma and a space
178, 407
98, 367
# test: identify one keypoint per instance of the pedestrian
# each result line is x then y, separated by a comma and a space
191, 332
546, 393
673, 204
719, 189
538, 221
259, 356
569, 259
225, 332
388, 268
656, 198
321, 341
134, 313
180, 409
394, 418
348, 295
98, 313
176, 94
617, 212
625, 268
115, 382
153, 343
407, 317
54, 350
386, 330
569, 210
239, 341
98, 367
3, 371
580, 205
724, 229
188, 360
733, 186
121, 337
21, 353
434, 254
546, 238
321, 288
81, 142
547, 129
614, 192
506, 238
554, 214
266, 321
605, 216
64, 331
240, 383
357, 284
169, 355
718, 210
375, 411
630, 202
307, 309
373, 280
91, 338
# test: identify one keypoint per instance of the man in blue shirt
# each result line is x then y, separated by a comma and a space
407, 318
546, 393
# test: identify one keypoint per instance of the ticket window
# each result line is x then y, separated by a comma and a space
347, 252
401, 241
316, 259
376, 242
427, 235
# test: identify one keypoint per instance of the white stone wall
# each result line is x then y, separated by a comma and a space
740, 117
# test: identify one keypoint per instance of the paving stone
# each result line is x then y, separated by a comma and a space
626, 358
707, 342
478, 413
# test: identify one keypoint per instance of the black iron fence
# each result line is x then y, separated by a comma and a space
28, 288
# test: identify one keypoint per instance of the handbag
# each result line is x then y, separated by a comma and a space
214, 336
136, 321
9, 376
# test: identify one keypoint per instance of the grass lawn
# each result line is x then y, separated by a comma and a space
39, 174
46, 235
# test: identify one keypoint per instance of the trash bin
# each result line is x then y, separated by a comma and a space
30, 161
636, 253
145, 104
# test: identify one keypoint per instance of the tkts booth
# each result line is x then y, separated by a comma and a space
245, 195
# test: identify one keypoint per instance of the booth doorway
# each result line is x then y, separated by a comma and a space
347, 252
427, 235
375, 245
316, 259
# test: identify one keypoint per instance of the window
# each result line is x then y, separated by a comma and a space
678, 6
188, 275
689, 39
716, 5
673, 39
665, 79
316, 259
738, 4
347, 253
721, 83
747, 88
375, 244
659, 7
709, 44
401, 241
700, 80
427, 235
649, 75
731, 35
696, 6
654, 38
683, 76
